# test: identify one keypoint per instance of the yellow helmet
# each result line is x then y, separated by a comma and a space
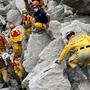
24, 10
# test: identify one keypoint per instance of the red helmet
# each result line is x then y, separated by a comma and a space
15, 33
11, 26
35, 3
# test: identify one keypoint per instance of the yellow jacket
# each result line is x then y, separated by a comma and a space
74, 44
28, 21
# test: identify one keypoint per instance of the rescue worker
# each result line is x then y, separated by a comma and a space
16, 38
15, 67
26, 22
3, 71
3, 43
80, 46
41, 17
41, 20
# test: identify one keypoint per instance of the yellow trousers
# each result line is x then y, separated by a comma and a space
19, 69
4, 74
17, 49
81, 57
27, 33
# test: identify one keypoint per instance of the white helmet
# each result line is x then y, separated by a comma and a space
5, 56
69, 34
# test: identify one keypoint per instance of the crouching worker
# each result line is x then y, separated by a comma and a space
4, 73
4, 45
15, 66
80, 45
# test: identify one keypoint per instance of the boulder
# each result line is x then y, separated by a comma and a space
67, 10
5, 6
55, 27
4, 2
76, 26
20, 5
83, 18
58, 1
52, 79
44, 78
47, 74
13, 16
57, 13
83, 6
84, 85
77, 4
51, 4
37, 42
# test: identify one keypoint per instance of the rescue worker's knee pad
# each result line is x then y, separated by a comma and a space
5, 75
72, 61
17, 49
27, 33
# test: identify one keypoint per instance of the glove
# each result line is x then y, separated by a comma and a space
58, 62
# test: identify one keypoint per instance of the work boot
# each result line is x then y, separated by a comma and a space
81, 73
21, 88
1, 80
88, 72
75, 85
6, 84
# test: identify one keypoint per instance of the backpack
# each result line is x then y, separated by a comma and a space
41, 16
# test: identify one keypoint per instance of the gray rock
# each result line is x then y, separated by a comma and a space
14, 16
5, 89
73, 26
20, 5
55, 27
76, 26
58, 1
43, 80
41, 77
36, 44
12, 4
83, 6
74, 4
67, 10
83, 18
5, 6
57, 13
4, 2
52, 4
84, 85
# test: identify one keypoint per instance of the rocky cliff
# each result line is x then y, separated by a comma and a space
42, 51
